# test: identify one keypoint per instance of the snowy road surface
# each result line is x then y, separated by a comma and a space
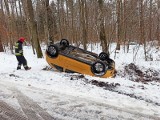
56, 106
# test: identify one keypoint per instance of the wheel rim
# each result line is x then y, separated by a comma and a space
103, 56
98, 68
52, 50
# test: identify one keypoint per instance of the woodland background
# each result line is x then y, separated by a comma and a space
82, 22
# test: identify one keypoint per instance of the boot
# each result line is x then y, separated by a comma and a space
19, 67
27, 68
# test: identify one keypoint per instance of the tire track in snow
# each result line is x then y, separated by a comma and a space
32, 110
9, 113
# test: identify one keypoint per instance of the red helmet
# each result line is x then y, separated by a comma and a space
22, 39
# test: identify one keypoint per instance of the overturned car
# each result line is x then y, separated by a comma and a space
68, 58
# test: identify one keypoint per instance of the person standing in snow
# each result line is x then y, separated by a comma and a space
19, 54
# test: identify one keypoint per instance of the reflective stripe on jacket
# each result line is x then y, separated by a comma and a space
18, 49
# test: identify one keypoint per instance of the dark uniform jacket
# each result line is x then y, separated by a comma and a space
18, 48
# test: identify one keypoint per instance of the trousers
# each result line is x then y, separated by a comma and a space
21, 61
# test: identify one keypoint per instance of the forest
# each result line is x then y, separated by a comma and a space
82, 22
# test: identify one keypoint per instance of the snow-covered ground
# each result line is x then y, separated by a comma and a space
37, 83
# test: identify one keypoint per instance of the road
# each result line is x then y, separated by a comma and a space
29, 103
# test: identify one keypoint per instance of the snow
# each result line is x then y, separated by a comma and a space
60, 83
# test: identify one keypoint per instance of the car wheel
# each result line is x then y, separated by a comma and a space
64, 42
103, 56
98, 68
52, 51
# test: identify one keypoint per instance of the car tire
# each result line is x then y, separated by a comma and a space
103, 56
98, 68
64, 42
52, 51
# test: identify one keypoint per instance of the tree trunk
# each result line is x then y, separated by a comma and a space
1, 46
150, 21
142, 33
21, 16
83, 22
124, 24
13, 23
2, 19
142, 36
70, 2
59, 18
49, 21
10, 26
102, 34
34, 29
158, 24
118, 24
24, 4
55, 28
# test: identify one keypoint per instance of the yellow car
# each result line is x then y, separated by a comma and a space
65, 57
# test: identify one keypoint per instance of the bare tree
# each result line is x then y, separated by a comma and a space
124, 23
33, 25
13, 20
141, 12
54, 21
59, 9
70, 12
10, 36
158, 24
24, 6
142, 32
102, 27
1, 27
21, 16
1, 46
119, 7
83, 22
150, 20
49, 21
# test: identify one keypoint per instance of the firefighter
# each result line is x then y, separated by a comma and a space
19, 54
